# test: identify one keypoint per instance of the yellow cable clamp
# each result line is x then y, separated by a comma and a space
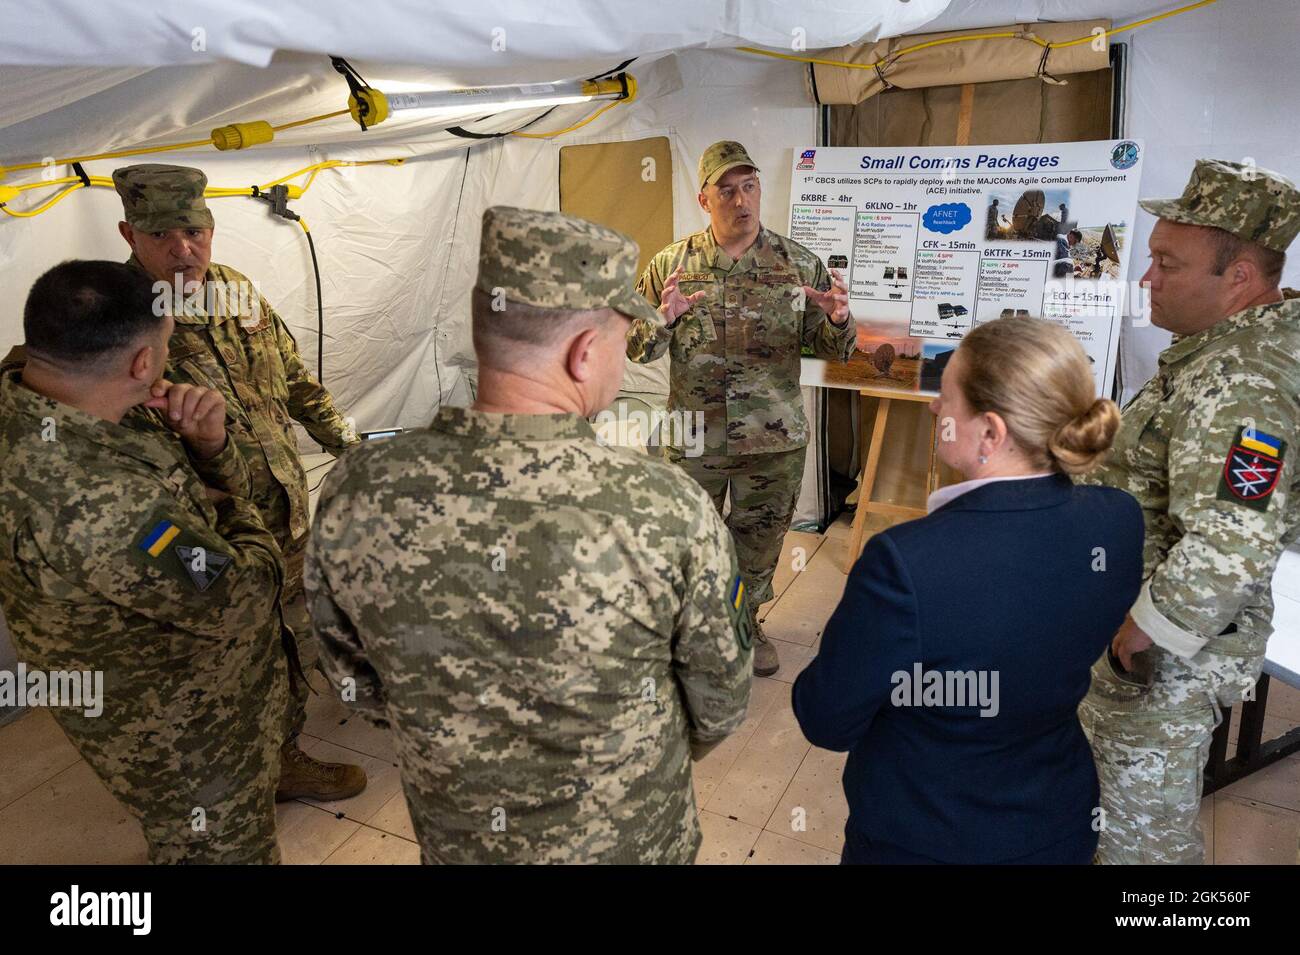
242, 135
375, 104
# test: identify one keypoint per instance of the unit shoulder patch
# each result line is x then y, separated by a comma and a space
166, 547
1252, 469
739, 612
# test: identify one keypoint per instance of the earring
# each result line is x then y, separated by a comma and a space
983, 459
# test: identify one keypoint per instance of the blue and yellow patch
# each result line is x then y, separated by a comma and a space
155, 542
1259, 441
737, 593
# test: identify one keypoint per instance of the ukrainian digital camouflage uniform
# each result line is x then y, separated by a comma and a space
548, 624
735, 362
194, 673
1208, 448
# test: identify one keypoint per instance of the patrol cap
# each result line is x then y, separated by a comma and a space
721, 156
552, 260
1252, 203
156, 197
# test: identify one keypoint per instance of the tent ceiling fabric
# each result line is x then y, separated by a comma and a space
56, 105
461, 38
968, 14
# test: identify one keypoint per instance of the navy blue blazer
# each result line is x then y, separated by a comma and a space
1003, 584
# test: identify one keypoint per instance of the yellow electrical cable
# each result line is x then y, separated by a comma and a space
567, 129
45, 205
212, 192
980, 36
312, 119
172, 147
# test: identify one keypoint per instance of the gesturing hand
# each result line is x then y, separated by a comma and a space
197, 414
672, 303
834, 301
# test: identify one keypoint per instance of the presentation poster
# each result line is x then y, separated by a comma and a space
934, 241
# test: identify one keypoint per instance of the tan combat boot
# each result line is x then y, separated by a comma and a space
302, 776
765, 659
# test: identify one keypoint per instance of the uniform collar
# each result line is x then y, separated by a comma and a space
16, 399
1258, 317
488, 425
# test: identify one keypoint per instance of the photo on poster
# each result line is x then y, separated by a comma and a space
877, 362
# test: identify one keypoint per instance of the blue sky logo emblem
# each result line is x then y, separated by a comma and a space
947, 218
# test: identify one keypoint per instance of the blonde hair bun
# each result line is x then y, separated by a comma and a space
1079, 445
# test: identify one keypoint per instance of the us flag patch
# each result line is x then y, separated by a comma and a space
1252, 469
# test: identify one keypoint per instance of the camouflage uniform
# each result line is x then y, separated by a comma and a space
194, 674
548, 624
244, 350
1208, 448
735, 363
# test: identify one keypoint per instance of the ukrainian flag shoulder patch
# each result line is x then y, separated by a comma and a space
154, 543
165, 547
737, 593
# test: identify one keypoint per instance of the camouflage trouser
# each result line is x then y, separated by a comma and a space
204, 793
1151, 744
764, 490
293, 603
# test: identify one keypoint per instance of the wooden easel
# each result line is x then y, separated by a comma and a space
865, 504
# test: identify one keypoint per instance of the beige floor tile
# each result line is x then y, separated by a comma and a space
70, 820
1273, 728
382, 781
1283, 702
1251, 832
33, 750
798, 619
797, 552
308, 835
1278, 785
395, 818
841, 528
369, 846
815, 802
771, 849
755, 783
821, 575
708, 772
726, 841
362, 737
793, 659
837, 546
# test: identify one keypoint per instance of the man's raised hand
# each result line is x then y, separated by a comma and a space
672, 303
195, 413
834, 301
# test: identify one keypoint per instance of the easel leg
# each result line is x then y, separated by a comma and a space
868, 479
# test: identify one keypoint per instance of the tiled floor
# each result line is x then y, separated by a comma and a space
765, 795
